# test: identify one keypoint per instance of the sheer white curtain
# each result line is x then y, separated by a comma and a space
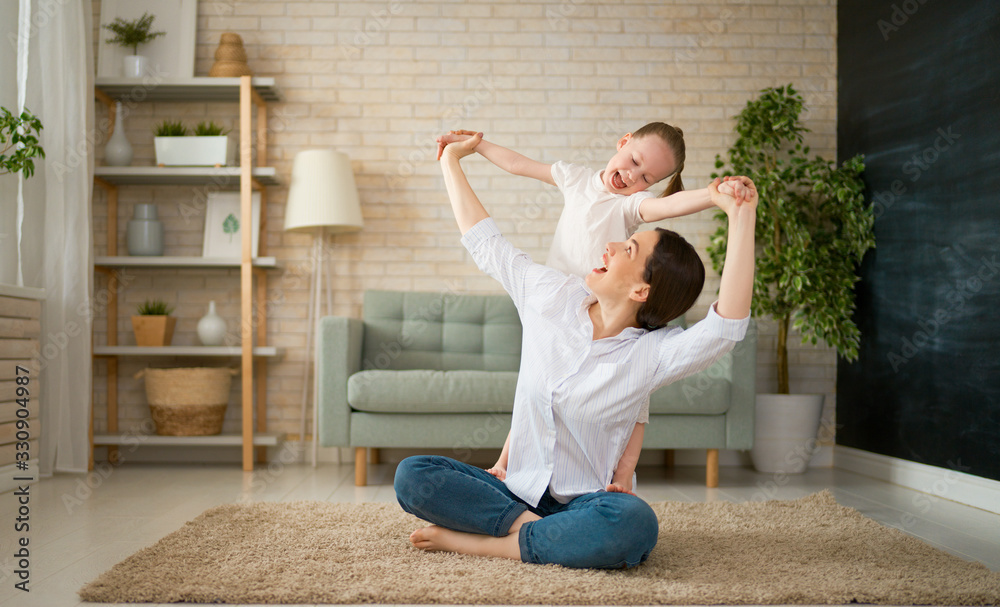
55, 250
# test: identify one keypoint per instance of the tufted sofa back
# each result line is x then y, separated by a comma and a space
440, 331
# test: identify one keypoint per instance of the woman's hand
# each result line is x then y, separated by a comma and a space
620, 487
733, 192
461, 149
452, 137
498, 471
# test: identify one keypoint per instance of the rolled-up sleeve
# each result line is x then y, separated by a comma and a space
513, 268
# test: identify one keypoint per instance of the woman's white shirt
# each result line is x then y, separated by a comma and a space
577, 400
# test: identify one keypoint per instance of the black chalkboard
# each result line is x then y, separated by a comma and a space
919, 95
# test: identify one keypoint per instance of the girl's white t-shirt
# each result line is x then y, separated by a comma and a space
591, 218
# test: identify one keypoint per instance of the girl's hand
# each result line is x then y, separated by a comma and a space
498, 472
452, 137
461, 149
733, 193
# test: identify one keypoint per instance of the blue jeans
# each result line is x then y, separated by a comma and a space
598, 530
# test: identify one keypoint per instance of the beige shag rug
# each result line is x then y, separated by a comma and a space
807, 551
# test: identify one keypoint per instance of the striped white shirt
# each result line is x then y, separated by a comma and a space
577, 400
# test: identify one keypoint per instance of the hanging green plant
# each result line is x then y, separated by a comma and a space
19, 136
813, 226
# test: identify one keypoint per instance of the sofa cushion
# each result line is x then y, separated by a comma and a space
423, 391
706, 393
446, 331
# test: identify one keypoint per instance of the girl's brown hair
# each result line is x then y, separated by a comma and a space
674, 138
675, 276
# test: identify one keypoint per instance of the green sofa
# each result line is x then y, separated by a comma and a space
438, 371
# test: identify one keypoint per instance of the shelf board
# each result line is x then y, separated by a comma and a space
258, 351
180, 261
227, 177
261, 439
184, 89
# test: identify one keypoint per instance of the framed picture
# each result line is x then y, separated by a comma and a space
171, 56
224, 226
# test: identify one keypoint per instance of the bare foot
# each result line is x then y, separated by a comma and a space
434, 537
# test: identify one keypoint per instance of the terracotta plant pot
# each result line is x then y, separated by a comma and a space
153, 330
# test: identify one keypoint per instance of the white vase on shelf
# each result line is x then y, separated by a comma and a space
212, 328
118, 150
134, 66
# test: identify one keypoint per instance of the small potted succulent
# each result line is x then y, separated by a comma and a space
174, 147
18, 135
152, 324
130, 34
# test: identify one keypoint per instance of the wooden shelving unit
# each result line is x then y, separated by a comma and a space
248, 92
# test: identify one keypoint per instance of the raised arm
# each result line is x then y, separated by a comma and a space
506, 159
736, 287
688, 202
464, 203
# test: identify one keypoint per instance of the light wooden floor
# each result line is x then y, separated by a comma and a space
81, 526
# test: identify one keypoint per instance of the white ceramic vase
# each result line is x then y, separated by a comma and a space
134, 66
118, 151
785, 428
212, 328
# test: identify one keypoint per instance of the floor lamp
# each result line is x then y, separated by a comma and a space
322, 197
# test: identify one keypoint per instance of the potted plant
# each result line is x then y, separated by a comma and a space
130, 34
813, 228
152, 324
19, 136
174, 147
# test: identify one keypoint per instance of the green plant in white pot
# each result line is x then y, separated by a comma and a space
130, 34
813, 228
209, 146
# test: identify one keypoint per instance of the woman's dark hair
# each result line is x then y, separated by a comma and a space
674, 138
675, 276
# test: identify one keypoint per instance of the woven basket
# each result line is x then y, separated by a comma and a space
188, 401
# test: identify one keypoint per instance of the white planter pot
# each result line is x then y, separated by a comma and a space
785, 430
133, 66
191, 151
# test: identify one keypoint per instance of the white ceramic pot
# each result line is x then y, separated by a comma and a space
211, 328
191, 151
134, 66
785, 429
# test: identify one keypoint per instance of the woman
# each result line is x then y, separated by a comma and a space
590, 358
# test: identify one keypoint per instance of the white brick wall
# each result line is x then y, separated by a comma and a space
551, 79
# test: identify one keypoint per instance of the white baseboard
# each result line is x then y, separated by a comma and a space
949, 484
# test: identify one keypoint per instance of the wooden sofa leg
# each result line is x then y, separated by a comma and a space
668, 458
712, 469
360, 466
374, 455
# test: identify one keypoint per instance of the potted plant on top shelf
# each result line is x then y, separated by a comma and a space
130, 34
152, 324
19, 136
174, 147
813, 228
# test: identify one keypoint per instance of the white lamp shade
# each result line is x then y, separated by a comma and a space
322, 193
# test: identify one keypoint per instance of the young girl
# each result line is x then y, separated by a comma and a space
609, 206
588, 362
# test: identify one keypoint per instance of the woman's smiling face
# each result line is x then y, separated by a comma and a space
623, 265
638, 164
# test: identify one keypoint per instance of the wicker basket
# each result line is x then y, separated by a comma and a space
188, 401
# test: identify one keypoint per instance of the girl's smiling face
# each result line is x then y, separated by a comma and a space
638, 164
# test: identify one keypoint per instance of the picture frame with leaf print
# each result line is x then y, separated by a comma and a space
223, 225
